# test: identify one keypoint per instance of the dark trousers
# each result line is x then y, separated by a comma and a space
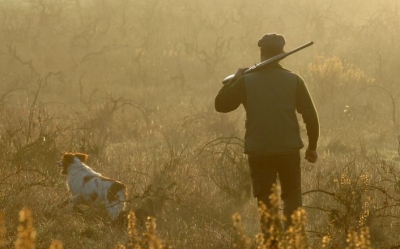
264, 173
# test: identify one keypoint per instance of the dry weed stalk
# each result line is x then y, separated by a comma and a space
365, 213
120, 246
150, 238
241, 240
56, 244
362, 238
270, 219
273, 235
134, 239
359, 240
2, 230
259, 239
326, 240
26, 232
296, 236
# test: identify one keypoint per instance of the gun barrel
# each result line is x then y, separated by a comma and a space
269, 61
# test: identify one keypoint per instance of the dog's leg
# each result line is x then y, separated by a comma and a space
114, 208
76, 200
115, 201
121, 220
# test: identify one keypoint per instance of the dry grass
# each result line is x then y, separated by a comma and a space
294, 238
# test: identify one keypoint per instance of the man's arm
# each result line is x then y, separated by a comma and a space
306, 108
231, 94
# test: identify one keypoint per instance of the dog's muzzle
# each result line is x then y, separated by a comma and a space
64, 169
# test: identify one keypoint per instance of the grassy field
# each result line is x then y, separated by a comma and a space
133, 83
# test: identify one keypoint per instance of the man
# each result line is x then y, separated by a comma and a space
271, 96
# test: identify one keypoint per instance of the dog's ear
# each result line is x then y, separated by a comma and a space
68, 158
82, 157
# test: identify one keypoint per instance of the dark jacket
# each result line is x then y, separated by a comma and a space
271, 97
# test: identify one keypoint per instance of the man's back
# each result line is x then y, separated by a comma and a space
271, 103
271, 97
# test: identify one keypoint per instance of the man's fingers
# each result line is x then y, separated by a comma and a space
311, 158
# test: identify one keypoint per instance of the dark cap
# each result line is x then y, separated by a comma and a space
272, 40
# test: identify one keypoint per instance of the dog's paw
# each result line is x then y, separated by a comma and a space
121, 220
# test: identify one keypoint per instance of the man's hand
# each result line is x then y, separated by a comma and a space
240, 72
311, 155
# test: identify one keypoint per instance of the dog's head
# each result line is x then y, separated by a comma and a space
68, 158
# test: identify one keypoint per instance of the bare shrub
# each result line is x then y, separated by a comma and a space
334, 82
229, 170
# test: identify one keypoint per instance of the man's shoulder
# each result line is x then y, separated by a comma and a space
275, 68
289, 71
293, 74
273, 71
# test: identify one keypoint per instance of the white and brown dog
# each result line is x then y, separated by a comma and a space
91, 188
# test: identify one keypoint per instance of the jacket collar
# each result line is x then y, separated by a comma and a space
271, 65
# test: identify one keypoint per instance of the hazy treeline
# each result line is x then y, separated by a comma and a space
80, 48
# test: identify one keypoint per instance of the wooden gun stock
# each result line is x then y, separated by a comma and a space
270, 60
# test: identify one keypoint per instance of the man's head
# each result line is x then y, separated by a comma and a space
271, 45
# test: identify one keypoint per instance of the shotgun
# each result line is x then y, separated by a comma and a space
270, 60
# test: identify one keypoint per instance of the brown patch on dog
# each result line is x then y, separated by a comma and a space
114, 189
94, 196
87, 178
66, 159
82, 157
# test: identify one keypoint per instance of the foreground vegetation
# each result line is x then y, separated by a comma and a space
132, 84
294, 237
